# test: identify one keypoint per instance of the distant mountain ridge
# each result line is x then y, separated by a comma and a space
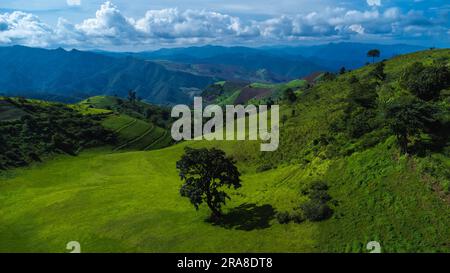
172, 75
234, 63
74, 75
267, 64
349, 55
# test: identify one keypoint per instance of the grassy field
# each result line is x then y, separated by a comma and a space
130, 202
136, 134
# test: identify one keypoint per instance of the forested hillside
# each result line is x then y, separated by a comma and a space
75, 75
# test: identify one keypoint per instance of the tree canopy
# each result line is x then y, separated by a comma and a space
204, 171
373, 53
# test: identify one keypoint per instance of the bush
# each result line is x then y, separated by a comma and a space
286, 217
283, 217
320, 195
319, 186
316, 210
264, 167
297, 217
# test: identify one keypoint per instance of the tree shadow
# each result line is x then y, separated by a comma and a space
247, 217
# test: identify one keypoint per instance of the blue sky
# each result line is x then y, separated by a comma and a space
143, 24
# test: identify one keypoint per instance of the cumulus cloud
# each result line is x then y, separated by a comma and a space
374, 2
74, 2
110, 27
24, 28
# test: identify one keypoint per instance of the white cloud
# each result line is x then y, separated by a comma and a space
110, 27
25, 29
374, 3
74, 2
357, 28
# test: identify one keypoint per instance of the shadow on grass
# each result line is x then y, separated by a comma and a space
247, 217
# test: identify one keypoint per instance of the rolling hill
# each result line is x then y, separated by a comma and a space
138, 125
130, 201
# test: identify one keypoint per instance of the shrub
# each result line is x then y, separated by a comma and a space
321, 195
283, 217
353, 79
297, 217
264, 167
316, 210
319, 186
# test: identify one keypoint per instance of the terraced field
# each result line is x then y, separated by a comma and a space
135, 134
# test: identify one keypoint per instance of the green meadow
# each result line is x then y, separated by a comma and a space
130, 202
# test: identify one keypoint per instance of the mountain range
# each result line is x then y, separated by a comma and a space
172, 75
74, 75
283, 62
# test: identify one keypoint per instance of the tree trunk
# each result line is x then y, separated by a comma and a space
403, 141
215, 213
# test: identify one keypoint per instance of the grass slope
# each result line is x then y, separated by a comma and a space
150, 215
130, 202
136, 134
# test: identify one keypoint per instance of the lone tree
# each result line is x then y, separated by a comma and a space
373, 53
204, 172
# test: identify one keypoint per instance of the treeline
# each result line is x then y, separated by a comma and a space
48, 129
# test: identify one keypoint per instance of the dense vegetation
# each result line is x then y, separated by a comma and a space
132, 106
40, 129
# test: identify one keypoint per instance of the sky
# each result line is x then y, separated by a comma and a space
123, 25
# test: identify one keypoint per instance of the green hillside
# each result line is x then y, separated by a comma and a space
229, 92
138, 125
137, 109
339, 131
135, 134
33, 130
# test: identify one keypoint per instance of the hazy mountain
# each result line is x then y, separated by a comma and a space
74, 75
169, 76
268, 64
337, 55
235, 63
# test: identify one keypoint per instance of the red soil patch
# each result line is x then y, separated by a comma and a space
312, 77
249, 93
